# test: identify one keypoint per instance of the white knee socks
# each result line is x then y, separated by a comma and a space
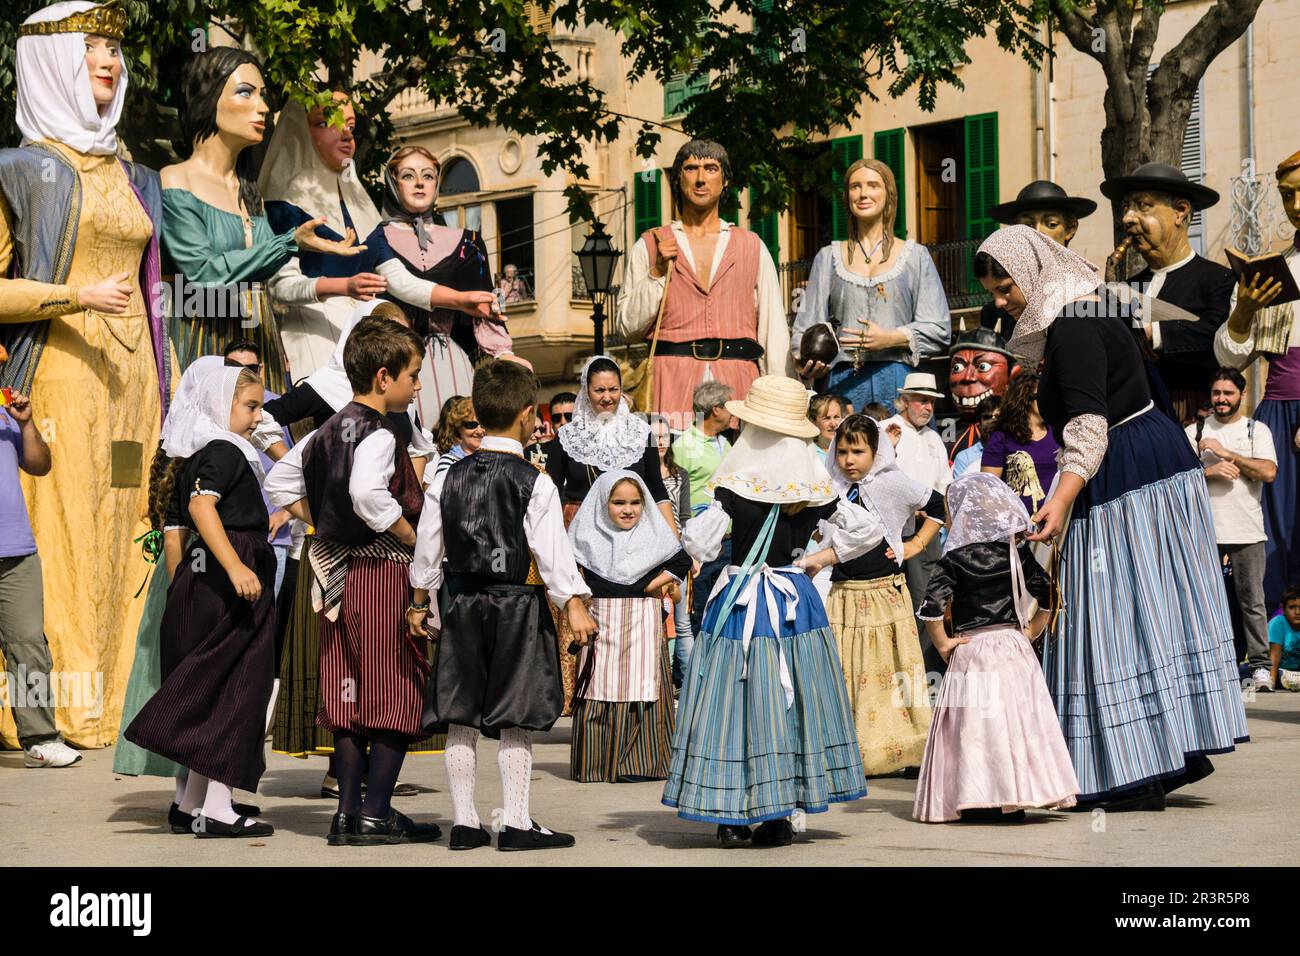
217, 804
462, 765
515, 759
196, 788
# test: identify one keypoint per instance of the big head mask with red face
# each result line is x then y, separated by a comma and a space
979, 366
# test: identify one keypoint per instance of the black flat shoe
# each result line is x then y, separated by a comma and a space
342, 827
1151, 797
179, 820
469, 838
774, 833
731, 837
397, 828
512, 838
991, 815
208, 829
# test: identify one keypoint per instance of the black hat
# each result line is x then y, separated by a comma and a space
1042, 194
983, 339
1159, 177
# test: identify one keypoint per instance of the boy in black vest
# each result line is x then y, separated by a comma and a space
497, 521
364, 499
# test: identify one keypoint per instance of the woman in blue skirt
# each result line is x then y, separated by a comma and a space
1141, 664
764, 726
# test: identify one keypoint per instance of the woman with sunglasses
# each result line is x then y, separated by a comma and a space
459, 433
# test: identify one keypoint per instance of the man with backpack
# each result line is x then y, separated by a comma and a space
1238, 456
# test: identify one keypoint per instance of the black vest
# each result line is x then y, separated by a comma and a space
484, 499
327, 466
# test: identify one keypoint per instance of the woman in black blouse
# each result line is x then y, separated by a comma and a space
1142, 669
604, 435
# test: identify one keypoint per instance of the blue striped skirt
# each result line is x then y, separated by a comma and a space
1142, 668
740, 754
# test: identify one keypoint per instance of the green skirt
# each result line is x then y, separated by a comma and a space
146, 678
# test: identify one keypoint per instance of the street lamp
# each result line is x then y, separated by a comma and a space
598, 259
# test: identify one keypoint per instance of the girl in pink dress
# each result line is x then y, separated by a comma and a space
995, 746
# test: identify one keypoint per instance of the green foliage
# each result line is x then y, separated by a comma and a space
763, 98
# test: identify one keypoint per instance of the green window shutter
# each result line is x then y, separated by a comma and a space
981, 174
888, 147
674, 95
844, 153
730, 205
765, 227
770, 52
645, 193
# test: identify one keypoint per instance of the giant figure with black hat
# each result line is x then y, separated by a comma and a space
980, 367
1158, 203
1044, 206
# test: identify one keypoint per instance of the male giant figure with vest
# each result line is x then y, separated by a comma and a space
725, 315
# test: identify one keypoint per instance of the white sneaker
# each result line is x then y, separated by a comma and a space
52, 753
1263, 679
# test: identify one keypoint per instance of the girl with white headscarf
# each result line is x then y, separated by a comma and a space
218, 631
1144, 628
764, 727
623, 714
995, 746
869, 607
78, 261
603, 435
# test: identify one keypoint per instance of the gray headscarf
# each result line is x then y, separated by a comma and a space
623, 557
885, 491
394, 211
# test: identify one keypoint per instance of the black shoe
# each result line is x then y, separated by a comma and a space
342, 828
731, 837
991, 815
513, 838
179, 820
774, 833
1150, 797
911, 773
397, 828
206, 829
469, 838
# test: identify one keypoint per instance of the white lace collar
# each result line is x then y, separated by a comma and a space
609, 441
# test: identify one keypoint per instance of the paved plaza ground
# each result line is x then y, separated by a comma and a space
88, 816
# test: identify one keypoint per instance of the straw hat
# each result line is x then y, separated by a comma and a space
778, 404
920, 383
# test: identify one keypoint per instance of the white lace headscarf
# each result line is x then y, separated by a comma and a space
606, 441
55, 101
885, 491
200, 412
1048, 274
618, 555
983, 509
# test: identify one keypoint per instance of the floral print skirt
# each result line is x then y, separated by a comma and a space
880, 653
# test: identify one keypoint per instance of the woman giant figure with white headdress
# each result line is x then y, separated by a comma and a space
79, 252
